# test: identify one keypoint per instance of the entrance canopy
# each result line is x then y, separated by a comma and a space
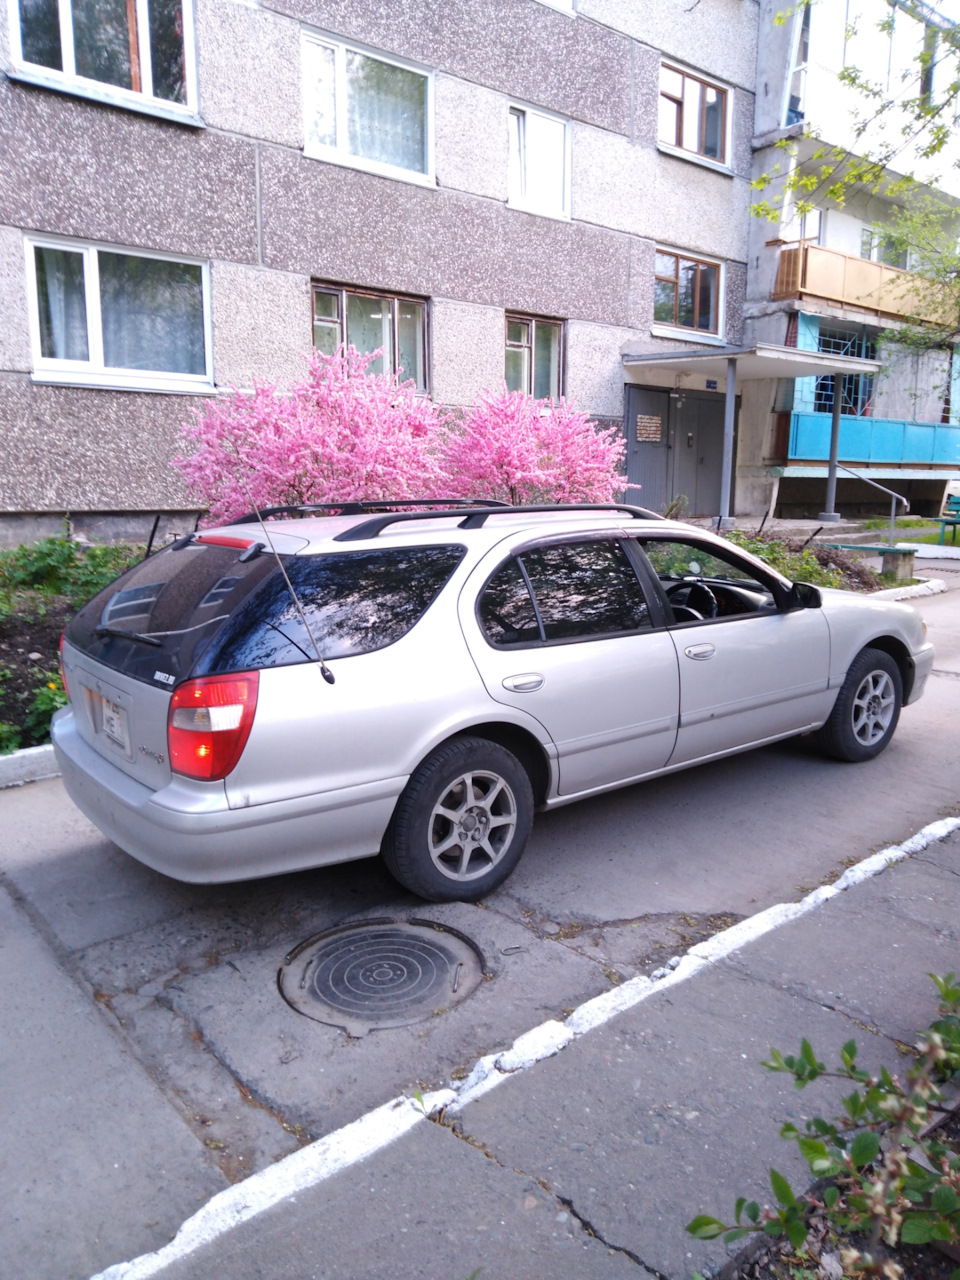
697, 367
702, 370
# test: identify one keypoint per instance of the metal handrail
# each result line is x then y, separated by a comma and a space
895, 496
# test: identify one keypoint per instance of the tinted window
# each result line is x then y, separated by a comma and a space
354, 603
582, 589
505, 609
178, 600
585, 589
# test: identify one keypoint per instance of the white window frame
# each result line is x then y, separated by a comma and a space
93, 372
522, 202
339, 153
67, 80
694, 157
701, 336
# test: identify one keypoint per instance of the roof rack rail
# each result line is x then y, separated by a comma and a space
353, 507
475, 519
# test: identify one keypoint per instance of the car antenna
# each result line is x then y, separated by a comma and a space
324, 669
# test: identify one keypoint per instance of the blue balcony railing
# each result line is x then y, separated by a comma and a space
874, 440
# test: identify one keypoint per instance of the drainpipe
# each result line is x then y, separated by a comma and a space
830, 516
725, 520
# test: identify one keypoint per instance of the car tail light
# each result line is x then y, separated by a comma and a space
63, 670
209, 722
223, 540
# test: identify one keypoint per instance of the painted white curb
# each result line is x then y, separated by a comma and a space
922, 587
29, 765
378, 1129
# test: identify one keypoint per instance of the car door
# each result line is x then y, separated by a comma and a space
751, 670
565, 632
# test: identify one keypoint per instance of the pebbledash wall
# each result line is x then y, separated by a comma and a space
229, 186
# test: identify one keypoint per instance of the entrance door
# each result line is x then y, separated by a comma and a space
675, 447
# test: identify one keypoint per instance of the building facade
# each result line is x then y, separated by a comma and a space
194, 193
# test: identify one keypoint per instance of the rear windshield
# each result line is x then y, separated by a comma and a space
200, 610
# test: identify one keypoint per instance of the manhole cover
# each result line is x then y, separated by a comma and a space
380, 973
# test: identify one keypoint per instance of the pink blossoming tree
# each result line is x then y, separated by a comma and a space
520, 450
341, 433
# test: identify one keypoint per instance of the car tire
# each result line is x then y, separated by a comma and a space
867, 709
462, 822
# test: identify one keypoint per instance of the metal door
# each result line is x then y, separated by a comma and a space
675, 447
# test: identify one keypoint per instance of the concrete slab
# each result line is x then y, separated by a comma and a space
83, 1128
317, 1076
429, 1205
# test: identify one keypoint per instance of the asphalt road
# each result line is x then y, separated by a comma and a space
148, 1012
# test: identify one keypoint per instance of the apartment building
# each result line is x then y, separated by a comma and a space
195, 192
828, 281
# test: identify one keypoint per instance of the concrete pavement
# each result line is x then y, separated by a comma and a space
579, 1153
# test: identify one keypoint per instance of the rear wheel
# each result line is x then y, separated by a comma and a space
867, 708
462, 822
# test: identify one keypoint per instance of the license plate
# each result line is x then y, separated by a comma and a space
113, 723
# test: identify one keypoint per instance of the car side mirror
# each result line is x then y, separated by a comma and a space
803, 595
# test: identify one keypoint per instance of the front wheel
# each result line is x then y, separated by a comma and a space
867, 708
462, 822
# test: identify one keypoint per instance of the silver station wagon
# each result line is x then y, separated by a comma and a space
273, 696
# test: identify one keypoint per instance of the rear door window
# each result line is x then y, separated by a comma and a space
559, 593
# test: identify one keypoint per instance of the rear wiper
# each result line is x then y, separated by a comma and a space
127, 635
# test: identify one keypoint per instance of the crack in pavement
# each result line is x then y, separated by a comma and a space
440, 1119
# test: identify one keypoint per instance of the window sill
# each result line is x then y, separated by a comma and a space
106, 95
537, 213
116, 380
686, 335
691, 157
370, 166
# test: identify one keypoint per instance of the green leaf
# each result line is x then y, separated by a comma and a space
797, 1232
737, 1234
806, 1052
830, 1196
945, 1200
781, 1189
864, 1148
752, 1210
815, 1153
916, 1230
704, 1227
738, 1208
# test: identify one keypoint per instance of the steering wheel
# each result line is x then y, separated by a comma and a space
698, 596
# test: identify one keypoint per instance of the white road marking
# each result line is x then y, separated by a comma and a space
377, 1129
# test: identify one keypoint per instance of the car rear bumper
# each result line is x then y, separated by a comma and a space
190, 833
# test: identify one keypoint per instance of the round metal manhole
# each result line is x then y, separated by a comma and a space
380, 973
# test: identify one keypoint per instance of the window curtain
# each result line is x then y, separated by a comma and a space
386, 113
62, 304
152, 314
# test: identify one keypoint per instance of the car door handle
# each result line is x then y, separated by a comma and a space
524, 684
700, 652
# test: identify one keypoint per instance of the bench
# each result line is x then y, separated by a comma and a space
950, 516
896, 561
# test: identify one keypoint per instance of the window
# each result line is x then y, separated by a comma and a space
134, 53
794, 112
539, 166
856, 389
570, 592
366, 111
693, 115
371, 322
532, 362
881, 248
114, 318
686, 293
806, 226
701, 583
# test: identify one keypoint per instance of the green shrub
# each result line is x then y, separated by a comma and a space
799, 566
47, 698
888, 1178
61, 567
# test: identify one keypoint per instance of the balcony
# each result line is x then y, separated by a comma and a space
810, 271
875, 440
